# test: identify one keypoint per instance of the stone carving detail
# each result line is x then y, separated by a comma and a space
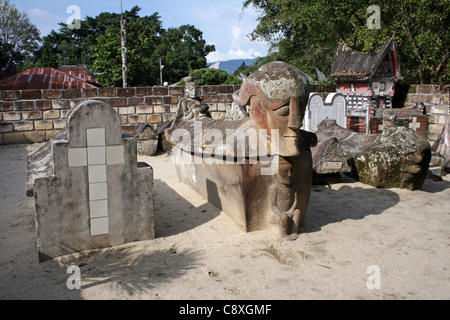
267, 185
397, 158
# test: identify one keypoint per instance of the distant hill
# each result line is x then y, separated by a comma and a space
231, 65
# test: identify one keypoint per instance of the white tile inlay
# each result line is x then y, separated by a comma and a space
99, 226
98, 208
96, 155
98, 191
97, 173
114, 155
77, 157
95, 137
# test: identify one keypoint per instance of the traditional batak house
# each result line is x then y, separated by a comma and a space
367, 79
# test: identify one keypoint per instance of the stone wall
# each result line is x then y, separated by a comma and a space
28, 116
436, 100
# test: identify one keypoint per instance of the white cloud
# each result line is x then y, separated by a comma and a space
233, 54
236, 34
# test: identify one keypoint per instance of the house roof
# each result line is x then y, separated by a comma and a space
351, 64
43, 78
80, 72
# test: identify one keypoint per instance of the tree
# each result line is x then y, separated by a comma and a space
142, 41
19, 38
209, 76
76, 46
182, 49
307, 33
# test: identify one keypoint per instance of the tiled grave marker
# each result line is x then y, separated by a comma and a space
89, 190
317, 110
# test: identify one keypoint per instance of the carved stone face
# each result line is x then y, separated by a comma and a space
190, 90
284, 174
277, 94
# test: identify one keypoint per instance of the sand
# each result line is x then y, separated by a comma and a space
200, 253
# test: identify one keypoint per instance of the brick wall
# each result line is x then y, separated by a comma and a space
28, 116
436, 100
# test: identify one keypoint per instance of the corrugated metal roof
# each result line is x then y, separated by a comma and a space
79, 72
43, 78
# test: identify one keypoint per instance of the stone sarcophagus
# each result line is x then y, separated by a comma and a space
89, 190
256, 167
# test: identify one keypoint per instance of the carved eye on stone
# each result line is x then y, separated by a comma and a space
283, 109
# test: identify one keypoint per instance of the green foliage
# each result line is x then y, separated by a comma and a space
98, 44
307, 33
19, 38
209, 76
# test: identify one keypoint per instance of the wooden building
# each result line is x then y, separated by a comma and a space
367, 79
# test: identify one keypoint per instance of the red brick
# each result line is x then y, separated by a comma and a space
143, 91
89, 92
441, 89
209, 90
176, 91
170, 100
6, 127
24, 105
153, 100
11, 95
106, 92
71, 93
136, 101
123, 119
117, 102
52, 94
43, 104
31, 94
125, 92
160, 91
59, 124
6, 106
225, 89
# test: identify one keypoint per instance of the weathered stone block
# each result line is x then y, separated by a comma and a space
72, 93
13, 137
31, 94
8, 95
12, 116
24, 105
144, 91
23, 126
43, 125
51, 114
31, 115
6, 127
88, 188
52, 94
34, 136
43, 104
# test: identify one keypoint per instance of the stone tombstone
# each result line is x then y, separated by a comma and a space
334, 108
89, 190
256, 166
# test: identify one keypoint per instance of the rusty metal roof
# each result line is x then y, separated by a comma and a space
80, 72
43, 78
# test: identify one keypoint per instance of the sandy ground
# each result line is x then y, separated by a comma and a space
349, 227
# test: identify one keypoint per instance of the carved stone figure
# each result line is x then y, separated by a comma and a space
268, 180
191, 106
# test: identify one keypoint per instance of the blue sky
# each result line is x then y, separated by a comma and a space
224, 23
